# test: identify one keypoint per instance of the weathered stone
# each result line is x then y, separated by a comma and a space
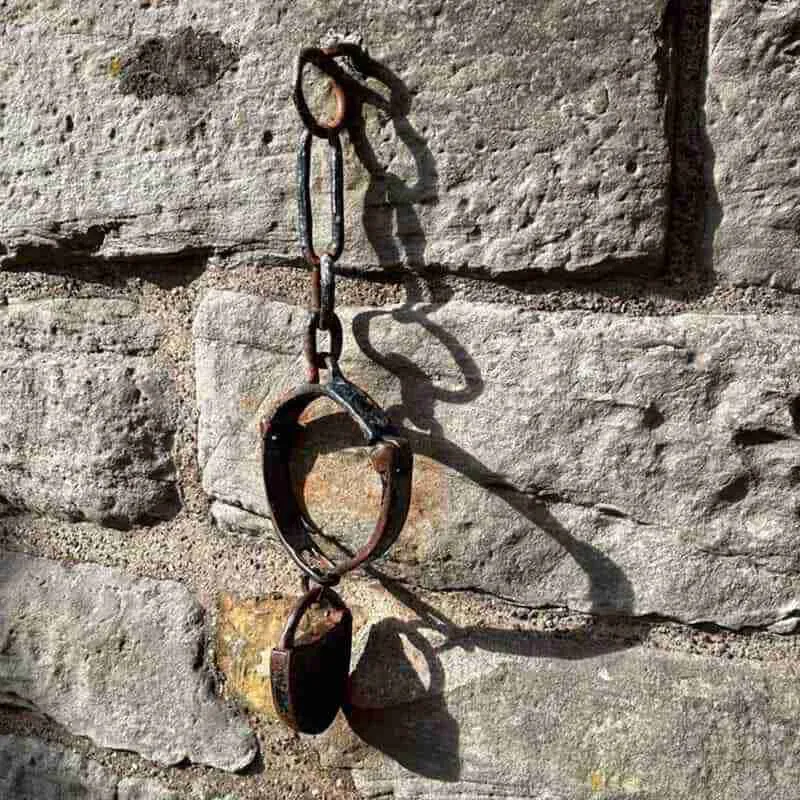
753, 115
486, 712
86, 420
115, 658
535, 138
143, 789
33, 770
604, 463
236, 520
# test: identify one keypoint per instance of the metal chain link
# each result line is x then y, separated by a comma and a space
323, 274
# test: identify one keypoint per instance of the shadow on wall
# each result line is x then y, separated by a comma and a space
414, 726
388, 195
422, 736
609, 589
695, 209
389, 217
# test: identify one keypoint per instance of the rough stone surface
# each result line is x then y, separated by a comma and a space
86, 420
483, 713
33, 770
525, 136
143, 789
644, 466
115, 658
591, 341
753, 116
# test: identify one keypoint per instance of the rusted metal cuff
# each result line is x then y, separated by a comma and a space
308, 679
391, 458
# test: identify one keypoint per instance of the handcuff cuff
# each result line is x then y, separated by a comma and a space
309, 678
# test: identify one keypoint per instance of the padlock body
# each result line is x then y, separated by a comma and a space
309, 678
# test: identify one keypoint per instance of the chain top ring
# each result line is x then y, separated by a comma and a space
322, 59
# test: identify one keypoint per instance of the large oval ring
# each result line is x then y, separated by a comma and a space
391, 458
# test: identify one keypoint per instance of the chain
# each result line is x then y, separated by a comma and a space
322, 315
295, 671
391, 456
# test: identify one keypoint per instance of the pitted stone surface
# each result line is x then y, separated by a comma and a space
645, 466
115, 658
535, 138
34, 770
86, 421
487, 712
753, 116
31, 769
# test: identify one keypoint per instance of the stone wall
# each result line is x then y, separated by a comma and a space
570, 277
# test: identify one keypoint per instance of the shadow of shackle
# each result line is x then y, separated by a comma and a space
397, 704
397, 701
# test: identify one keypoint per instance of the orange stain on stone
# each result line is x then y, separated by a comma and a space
248, 403
342, 492
247, 630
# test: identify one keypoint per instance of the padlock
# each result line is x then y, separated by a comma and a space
309, 674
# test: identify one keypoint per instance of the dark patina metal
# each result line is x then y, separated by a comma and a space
305, 222
309, 678
327, 290
390, 457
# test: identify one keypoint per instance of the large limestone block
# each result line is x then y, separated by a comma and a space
535, 137
484, 712
86, 421
606, 463
115, 658
34, 770
753, 116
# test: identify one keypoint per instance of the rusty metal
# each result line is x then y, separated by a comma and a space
315, 360
391, 459
305, 220
309, 679
322, 59
354, 89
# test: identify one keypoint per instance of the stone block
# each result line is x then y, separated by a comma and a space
115, 658
753, 113
31, 769
535, 138
87, 418
604, 463
441, 711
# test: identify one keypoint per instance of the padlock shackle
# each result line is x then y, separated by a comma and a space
308, 680
313, 595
